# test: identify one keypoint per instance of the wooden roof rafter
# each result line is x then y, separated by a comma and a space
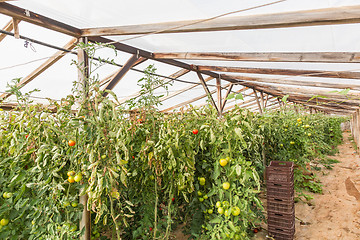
326, 16
287, 81
315, 57
18, 13
8, 28
286, 72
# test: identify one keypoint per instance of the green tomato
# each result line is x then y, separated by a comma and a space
205, 197
201, 199
103, 156
199, 193
235, 211
4, 222
202, 181
227, 212
66, 204
220, 210
97, 235
225, 204
218, 204
74, 204
73, 228
210, 211
7, 195
78, 177
226, 185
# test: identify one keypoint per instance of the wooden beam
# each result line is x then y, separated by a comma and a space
135, 59
226, 96
266, 101
203, 83
287, 72
37, 19
16, 28
258, 102
349, 105
190, 101
48, 63
304, 91
8, 28
218, 91
83, 76
320, 57
295, 82
262, 100
325, 16
174, 75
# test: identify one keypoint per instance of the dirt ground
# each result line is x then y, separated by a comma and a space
334, 214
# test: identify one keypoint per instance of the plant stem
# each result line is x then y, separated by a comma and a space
155, 208
112, 215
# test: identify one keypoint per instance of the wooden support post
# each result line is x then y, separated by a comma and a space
207, 91
16, 28
262, 100
266, 101
135, 59
225, 99
218, 91
8, 27
257, 101
83, 62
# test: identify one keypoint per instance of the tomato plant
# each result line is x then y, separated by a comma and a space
144, 171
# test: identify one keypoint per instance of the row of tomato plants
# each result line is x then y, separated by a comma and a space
146, 173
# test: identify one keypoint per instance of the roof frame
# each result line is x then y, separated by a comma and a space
325, 16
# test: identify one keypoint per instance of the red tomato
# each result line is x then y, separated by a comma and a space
27, 135
71, 143
256, 230
195, 131
139, 120
150, 228
173, 199
133, 157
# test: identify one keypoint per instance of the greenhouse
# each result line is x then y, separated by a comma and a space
179, 119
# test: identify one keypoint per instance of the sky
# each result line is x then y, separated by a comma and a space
56, 82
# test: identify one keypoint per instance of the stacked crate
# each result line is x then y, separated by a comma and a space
280, 200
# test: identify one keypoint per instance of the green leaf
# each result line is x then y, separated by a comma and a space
239, 96
230, 96
284, 98
216, 220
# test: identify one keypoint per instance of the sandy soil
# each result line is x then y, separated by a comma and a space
335, 214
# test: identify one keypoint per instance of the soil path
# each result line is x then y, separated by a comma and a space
335, 214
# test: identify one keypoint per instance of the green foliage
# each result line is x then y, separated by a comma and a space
144, 172
301, 138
